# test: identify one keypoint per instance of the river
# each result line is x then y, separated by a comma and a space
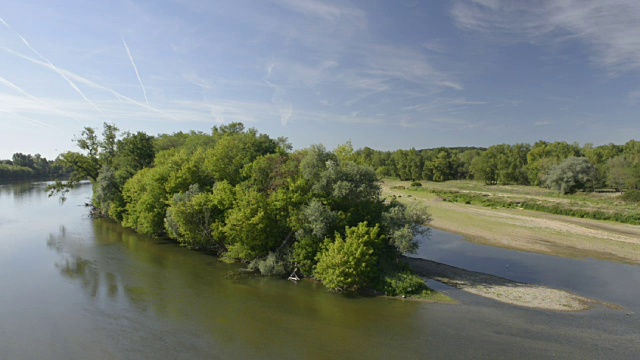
75, 288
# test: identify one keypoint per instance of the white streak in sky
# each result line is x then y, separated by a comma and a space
33, 97
55, 68
88, 82
32, 121
135, 68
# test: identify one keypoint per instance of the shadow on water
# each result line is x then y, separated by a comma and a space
250, 315
77, 288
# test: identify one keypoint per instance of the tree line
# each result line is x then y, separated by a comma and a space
558, 165
248, 197
27, 166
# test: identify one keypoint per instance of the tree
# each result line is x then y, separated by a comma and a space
571, 175
24, 160
484, 169
193, 215
619, 172
254, 225
349, 264
403, 223
543, 156
86, 165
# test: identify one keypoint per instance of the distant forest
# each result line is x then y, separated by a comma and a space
27, 166
559, 165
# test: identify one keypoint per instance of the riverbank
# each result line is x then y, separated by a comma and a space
527, 230
503, 290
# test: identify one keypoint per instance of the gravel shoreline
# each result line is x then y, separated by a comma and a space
501, 289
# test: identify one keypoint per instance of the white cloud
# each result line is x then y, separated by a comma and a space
543, 123
633, 97
610, 29
320, 9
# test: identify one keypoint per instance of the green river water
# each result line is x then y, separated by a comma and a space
76, 288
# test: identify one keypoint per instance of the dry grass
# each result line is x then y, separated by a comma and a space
527, 230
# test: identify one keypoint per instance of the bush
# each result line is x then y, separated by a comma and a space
571, 175
404, 283
350, 264
631, 196
416, 184
269, 266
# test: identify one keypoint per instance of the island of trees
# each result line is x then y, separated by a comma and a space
247, 197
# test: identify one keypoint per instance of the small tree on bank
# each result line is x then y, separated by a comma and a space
350, 264
571, 175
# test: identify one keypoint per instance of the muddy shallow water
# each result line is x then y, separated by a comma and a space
601, 280
76, 288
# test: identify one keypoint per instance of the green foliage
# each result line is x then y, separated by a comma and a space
345, 153
99, 155
620, 172
192, 215
571, 175
255, 222
146, 201
350, 264
629, 217
403, 223
271, 265
543, 156
248, 198
15, 172
631, 196
416, 184
313, 223
403, 283
501, 164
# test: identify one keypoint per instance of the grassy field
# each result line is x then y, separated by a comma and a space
503, 223
596, 205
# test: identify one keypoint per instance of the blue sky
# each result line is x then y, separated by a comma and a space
384, 74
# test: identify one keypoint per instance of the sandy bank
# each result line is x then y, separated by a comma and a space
501, 289
530, 230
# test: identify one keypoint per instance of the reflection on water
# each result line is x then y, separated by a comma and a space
98, 290
601, 280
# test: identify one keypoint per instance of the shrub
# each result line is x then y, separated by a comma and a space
350, 264
571, 175
269, 266
404, 283
416, 184
631, 196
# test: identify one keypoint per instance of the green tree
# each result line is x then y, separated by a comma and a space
86, 165
255, 225
403, 223
619, 172
349, 264
571, 175
194, 218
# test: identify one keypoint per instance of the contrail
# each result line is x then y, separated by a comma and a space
285, 109
135, 68
55, 68
23, 92
88, 82
32, 121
